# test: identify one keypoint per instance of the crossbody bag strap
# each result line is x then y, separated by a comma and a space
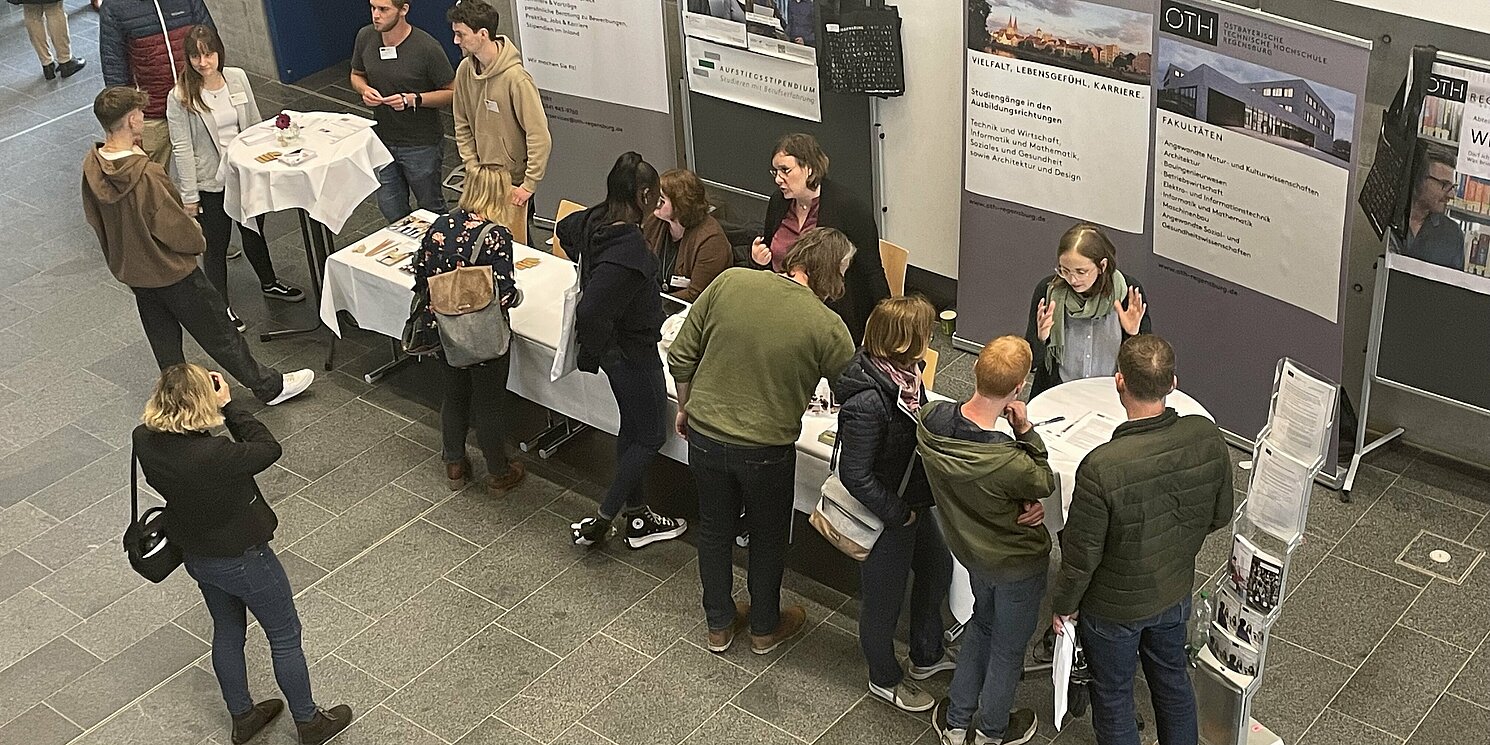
833, 459
134, 486
906, 479
478, 243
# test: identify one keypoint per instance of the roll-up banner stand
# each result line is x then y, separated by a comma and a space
1215, 145
601, 68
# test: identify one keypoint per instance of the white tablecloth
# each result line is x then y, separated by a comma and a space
378, 297
328, 186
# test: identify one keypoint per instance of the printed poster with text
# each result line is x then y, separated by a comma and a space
571, 47
1059, 107
1254, 148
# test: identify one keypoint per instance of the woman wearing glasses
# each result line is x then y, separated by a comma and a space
1080, 315
806, 198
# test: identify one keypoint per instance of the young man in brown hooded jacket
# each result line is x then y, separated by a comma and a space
151, 244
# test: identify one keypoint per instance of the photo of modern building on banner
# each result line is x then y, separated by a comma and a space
1288, 109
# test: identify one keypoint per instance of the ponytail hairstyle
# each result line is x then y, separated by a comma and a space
631, 190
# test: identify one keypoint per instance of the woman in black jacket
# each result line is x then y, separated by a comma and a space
617, 326
216, 514
881, 392
805, 198
476, 395
1080, 315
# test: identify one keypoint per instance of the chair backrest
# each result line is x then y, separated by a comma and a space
566, 208
894, 258
928, 374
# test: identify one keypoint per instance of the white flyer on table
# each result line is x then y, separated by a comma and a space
1086, 433
1060, 671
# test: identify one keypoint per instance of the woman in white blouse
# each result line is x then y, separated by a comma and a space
209, 107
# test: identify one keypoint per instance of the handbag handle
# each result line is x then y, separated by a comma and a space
480, 240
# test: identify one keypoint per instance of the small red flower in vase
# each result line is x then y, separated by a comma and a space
289, 132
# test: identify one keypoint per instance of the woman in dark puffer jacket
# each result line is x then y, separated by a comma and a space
881, 392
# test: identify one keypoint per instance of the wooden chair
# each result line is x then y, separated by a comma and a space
566, 208
894, 258
928, 374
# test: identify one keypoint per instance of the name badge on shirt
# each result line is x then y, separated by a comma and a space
679, 283
387, 52
238, 99
492, 106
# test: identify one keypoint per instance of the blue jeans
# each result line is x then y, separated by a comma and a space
992, 660
1112, 651
414, 167
900, 551
254, 581
763, 481
641, 397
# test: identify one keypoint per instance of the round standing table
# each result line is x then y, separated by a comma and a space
323, 191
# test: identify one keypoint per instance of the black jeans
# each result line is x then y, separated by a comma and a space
194, 304
641, 397
217, 228
900, 551
476, 396
763, 480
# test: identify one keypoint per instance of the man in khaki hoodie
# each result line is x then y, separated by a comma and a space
151, 244
499, 117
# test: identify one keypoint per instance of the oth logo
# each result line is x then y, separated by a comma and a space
1189, 22
1440, 86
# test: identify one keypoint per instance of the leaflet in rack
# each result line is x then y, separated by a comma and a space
1255, 575
1276, 495
1302, 412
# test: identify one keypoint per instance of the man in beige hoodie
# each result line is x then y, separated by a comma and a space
151, 244
499, 119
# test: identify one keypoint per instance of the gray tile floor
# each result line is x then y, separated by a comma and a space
462, 618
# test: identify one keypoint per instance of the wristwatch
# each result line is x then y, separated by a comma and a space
418, 100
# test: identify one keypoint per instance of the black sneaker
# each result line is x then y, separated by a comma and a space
647, 527
236, 321
71, 67
1020, 730
589, 531
281, 291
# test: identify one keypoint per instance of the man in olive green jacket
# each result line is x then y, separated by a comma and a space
988, 488
1143, 504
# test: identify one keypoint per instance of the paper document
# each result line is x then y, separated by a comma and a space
337, 130
1060, 671
1303, 411
1085, 434
1275, 497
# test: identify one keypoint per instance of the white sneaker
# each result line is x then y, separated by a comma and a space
295, 384
905, 695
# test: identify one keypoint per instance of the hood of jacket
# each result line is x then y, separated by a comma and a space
507, 58
112, 180
622, 245
962, 461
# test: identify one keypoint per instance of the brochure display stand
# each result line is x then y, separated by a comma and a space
1267, 530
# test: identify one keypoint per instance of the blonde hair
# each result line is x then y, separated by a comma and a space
486, 192
1002, 366
183, 401
899, 329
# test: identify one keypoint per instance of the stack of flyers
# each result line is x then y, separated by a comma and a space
1255, 575
1237, 655
1240, 621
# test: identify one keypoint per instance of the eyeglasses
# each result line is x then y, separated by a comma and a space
782, 171
1065, 273
1444, 184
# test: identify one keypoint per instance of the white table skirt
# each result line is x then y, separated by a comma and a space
328, 187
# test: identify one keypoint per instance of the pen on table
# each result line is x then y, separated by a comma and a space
1051, 420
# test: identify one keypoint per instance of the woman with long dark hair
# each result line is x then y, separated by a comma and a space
209, 107
617, 326
217, 515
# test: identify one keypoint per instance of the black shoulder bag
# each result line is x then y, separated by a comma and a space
152, 554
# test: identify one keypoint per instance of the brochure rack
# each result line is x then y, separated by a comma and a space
1266, 531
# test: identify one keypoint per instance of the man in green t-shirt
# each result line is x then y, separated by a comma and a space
746, 362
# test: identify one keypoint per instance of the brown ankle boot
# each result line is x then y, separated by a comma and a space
457, 473
325, 725
257, 718
514, 476
791, 623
